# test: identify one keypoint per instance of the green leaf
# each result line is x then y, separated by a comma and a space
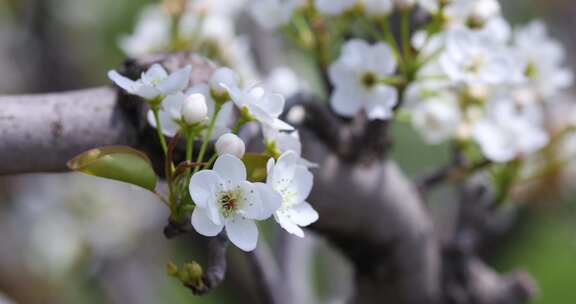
119, 163
255, 166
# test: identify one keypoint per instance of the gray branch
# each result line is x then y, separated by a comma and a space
369, 209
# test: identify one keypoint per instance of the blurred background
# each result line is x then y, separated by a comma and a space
69, 238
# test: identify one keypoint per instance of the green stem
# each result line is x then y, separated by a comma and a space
207, 137
390, 39
406, 44
156, 111
211, 161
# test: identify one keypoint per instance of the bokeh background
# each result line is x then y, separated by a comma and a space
68, 238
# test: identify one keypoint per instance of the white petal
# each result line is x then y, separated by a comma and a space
242, 232
288, 225
273, 104
380, 102
302, 183
231, 169
169, 126
147, 92
271, 200
173, 104
303, 214
249, 202
154, 73
125, 83
203, 224
345, 102
382, 59
204, 187
176, 82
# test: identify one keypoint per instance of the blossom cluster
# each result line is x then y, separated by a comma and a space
465, 75
224, 196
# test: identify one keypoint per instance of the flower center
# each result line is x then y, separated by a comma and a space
531, 70
228, 203
475, 64
369, 79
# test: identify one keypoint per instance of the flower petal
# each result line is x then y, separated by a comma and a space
203, 224
125, 83
381, 101
271, 200
345, 102
176, 82
303, 214
230, 169
242, 232
287, 224
154, 73
204, 187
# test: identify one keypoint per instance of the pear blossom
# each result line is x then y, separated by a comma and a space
357, 76
378, 7
225, 199
508, 132
230, 144
194, 109
334, 7
286, 141
546, 73
293, 182
154, 83
225, 115
472, 58
271, 14
170, 114
151, 33
437, 118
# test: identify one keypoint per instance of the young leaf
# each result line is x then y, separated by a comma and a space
119, 163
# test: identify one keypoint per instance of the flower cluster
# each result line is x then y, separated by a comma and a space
224, 193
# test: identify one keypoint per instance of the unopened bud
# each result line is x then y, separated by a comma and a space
230, 144
194, 109
221, 81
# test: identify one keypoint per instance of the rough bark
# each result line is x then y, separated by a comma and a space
369, 209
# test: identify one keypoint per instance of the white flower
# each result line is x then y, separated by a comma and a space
294, 183
286, 141
546, 70
437, 118
225, 115
357, 76
470, 57
484, 10
283, 80
194, 109
154, 83
508, 133
224, 198
334, 7
230, 144
271, 14
151, 34
224, 81
170, 114
264, 106
378, 7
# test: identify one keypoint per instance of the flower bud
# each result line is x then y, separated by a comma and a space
223, 80
230, 144
194, 109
